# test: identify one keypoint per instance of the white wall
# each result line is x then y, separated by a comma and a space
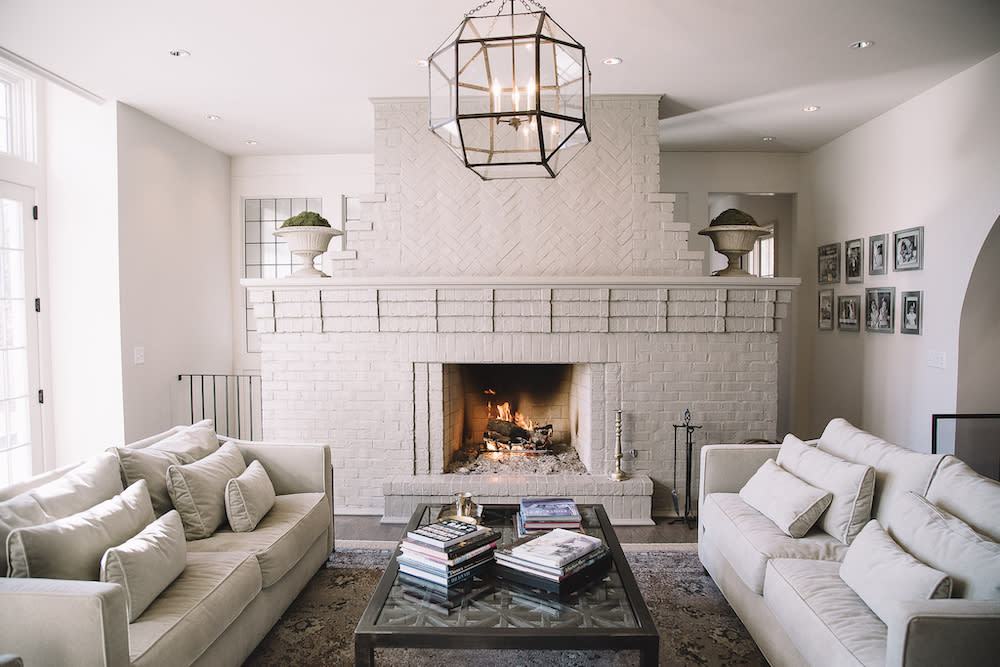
175, 264
80, 212
934, 161
324, 176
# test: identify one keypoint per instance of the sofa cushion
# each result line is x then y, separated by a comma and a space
947, 543
828, 623
196, 442
248, 498
93, 481
748, 539
198, 490
897, 469
193, 611
157, 437
793, 505
151, 465
72, 547
852, 485
881, 573
961, 491
147, 563
280, 539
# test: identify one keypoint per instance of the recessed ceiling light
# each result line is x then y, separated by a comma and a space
810, 108
767, 138
251, 142
422, 63
863, 44
179, 53
612, 61
212, 116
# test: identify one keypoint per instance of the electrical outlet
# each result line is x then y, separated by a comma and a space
139, 356
936, 359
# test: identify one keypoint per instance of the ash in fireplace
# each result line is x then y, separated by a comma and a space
563, 461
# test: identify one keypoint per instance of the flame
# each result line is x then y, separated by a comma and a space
504, 412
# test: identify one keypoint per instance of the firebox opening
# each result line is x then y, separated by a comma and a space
514, 411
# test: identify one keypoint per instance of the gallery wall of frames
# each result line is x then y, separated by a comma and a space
877, 309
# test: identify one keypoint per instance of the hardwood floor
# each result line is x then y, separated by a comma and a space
350, 527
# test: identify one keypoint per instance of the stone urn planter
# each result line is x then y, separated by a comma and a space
307, 234
733, 234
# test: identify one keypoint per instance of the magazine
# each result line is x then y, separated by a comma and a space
556, 548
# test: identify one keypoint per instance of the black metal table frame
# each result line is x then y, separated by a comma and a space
645, 639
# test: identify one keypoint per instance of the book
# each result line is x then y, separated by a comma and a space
440, 579
556, 548
445, 533
418, 551
455, 550
419, 560
553, 573
570, 583
549, 509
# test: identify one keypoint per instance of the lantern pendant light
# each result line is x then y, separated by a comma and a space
509, 93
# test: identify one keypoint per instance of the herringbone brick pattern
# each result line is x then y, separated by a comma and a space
602, 216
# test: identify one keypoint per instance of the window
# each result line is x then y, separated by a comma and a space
20, 413
760, 261
17, 113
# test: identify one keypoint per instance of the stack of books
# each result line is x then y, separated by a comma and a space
554, 561
537, 514
446, 552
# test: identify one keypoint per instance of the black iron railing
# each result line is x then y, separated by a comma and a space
974, 438
232, 401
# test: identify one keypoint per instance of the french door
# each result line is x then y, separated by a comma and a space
20, 397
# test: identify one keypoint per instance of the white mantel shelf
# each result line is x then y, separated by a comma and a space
505, 282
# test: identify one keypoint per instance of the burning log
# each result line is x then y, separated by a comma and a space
508, 429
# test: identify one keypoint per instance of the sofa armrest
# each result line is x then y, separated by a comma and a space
726, 468
294, 468
942, 632
61, 622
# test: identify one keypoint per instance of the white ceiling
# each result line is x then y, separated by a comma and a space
296, 75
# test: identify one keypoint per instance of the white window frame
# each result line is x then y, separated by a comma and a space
21, 128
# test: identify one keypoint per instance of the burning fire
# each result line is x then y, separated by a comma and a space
503, 412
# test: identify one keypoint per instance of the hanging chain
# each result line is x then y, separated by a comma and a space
486, 4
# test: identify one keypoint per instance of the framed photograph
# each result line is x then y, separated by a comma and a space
908, 249
848, 313
911, 308
828, 262
826, 309
876, 255
879, 302
854, 263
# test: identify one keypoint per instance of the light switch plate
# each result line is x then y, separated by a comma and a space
936, 359
139, 356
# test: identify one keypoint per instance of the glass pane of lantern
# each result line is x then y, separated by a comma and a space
473, 84
497, 172
576, 140
449, 133
552, 29
441, 99
489, 142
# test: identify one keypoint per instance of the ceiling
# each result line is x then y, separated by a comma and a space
296, 76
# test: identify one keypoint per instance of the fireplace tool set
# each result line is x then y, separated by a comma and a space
688, 517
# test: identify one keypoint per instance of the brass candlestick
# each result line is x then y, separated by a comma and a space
618, 475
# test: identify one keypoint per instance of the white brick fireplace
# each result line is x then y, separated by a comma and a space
589, 270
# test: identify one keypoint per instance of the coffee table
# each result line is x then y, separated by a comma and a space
606, 613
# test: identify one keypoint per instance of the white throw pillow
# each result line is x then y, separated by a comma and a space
146, 564
793, 505
196, 442
852, 486
198, 490
248, 498
948, 544
72, 547
151, 465
880, 572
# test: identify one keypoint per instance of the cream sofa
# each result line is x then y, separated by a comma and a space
233, 587
789, 592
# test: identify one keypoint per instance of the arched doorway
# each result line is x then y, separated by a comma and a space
979, 333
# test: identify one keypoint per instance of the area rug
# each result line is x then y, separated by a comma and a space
695, 623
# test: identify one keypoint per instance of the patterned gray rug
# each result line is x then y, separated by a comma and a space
696, 624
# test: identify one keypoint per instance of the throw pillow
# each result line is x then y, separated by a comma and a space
880, 572
947, 543
196, 442
151, 465
852, 486
147, 563
198, 490
248, 498
793, 505
72, 547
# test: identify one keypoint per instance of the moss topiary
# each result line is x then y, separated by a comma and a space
306, 219
733, 216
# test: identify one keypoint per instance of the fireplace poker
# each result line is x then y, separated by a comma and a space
689, 430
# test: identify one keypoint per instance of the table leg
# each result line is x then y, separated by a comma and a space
364, 651
649, 655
